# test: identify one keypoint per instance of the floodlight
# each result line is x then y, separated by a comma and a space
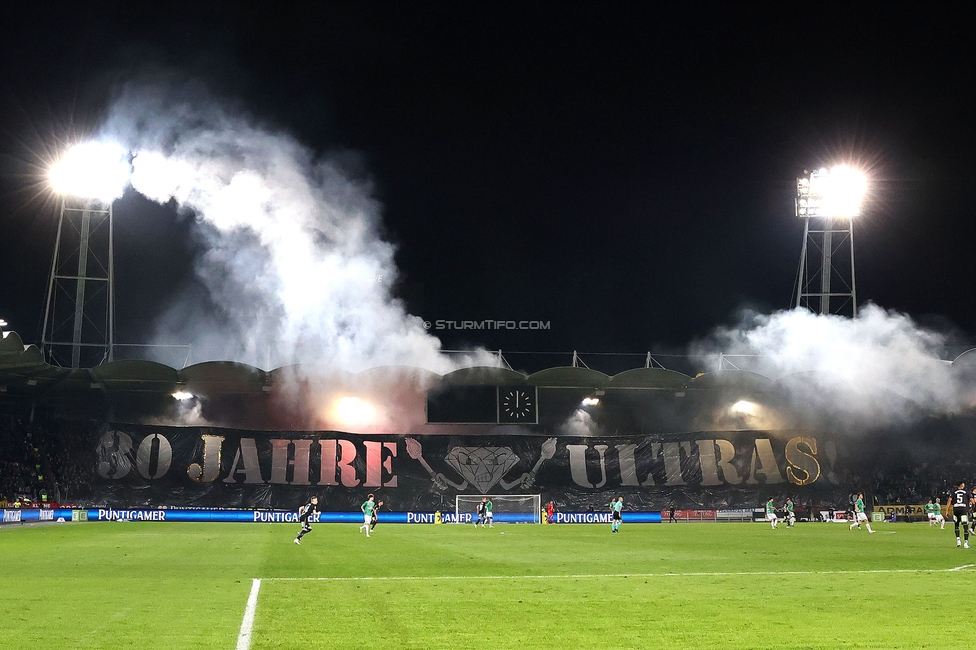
744, 407
835, 193
353, 412
92, 170
591, 401
182, 395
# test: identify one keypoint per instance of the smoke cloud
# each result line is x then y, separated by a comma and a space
293, 265
878, 369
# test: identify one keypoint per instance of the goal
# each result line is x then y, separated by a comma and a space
506, 508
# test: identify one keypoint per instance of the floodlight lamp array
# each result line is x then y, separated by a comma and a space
835, 193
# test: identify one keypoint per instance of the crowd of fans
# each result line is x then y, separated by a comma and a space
44, 462
913, 483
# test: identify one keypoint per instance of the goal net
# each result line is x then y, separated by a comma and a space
506, 508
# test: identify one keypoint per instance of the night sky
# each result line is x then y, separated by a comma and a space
625, 173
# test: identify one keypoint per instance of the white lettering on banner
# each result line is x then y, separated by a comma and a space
337, 463
577, 465
207, 471
420, 517
279, 517
113, 454
347, 456
583, 518
764, 464
247, 455
452, 518
375, 463
131, 515
11, 516
712, 464
45, 515
367, 463
154, 456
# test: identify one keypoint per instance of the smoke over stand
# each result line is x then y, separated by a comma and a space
878, 369
293, 265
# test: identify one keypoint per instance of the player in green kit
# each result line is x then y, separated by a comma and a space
771, 513
790, 517
616, 518
368, 506
489, 514
934, 511
859, 513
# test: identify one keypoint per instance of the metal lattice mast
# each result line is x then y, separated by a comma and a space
79, 312
827, 202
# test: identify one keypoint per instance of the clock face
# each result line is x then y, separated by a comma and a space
516, 405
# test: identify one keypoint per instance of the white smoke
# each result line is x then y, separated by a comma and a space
579, 424
293, 261
880, 368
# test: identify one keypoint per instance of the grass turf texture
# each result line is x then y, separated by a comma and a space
172, 585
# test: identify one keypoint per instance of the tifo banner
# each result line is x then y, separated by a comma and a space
220, 468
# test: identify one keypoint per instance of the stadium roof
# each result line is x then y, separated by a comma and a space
248, 396
23, 364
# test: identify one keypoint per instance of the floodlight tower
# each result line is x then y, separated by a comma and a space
79, 312
828, 200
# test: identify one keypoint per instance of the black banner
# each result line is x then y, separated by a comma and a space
203, 467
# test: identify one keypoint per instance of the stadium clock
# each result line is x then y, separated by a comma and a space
517, 404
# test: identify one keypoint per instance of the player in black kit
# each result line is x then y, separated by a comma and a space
972, 512
960, 512
374, 519
305, 516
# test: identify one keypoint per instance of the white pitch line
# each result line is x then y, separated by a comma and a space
247, 625
623, 575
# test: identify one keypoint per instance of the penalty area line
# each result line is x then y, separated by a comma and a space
621, 575
247, 625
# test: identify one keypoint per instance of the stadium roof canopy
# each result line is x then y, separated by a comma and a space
135, 386
482, 376
568, 377
649, 378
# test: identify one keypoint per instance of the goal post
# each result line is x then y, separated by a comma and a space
506, 508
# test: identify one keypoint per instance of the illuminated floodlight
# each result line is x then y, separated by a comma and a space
591, 401
837, 192
92, 170
744, 407
182, 395
354, 412
3, 323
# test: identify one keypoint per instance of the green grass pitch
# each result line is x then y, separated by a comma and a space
172, 585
